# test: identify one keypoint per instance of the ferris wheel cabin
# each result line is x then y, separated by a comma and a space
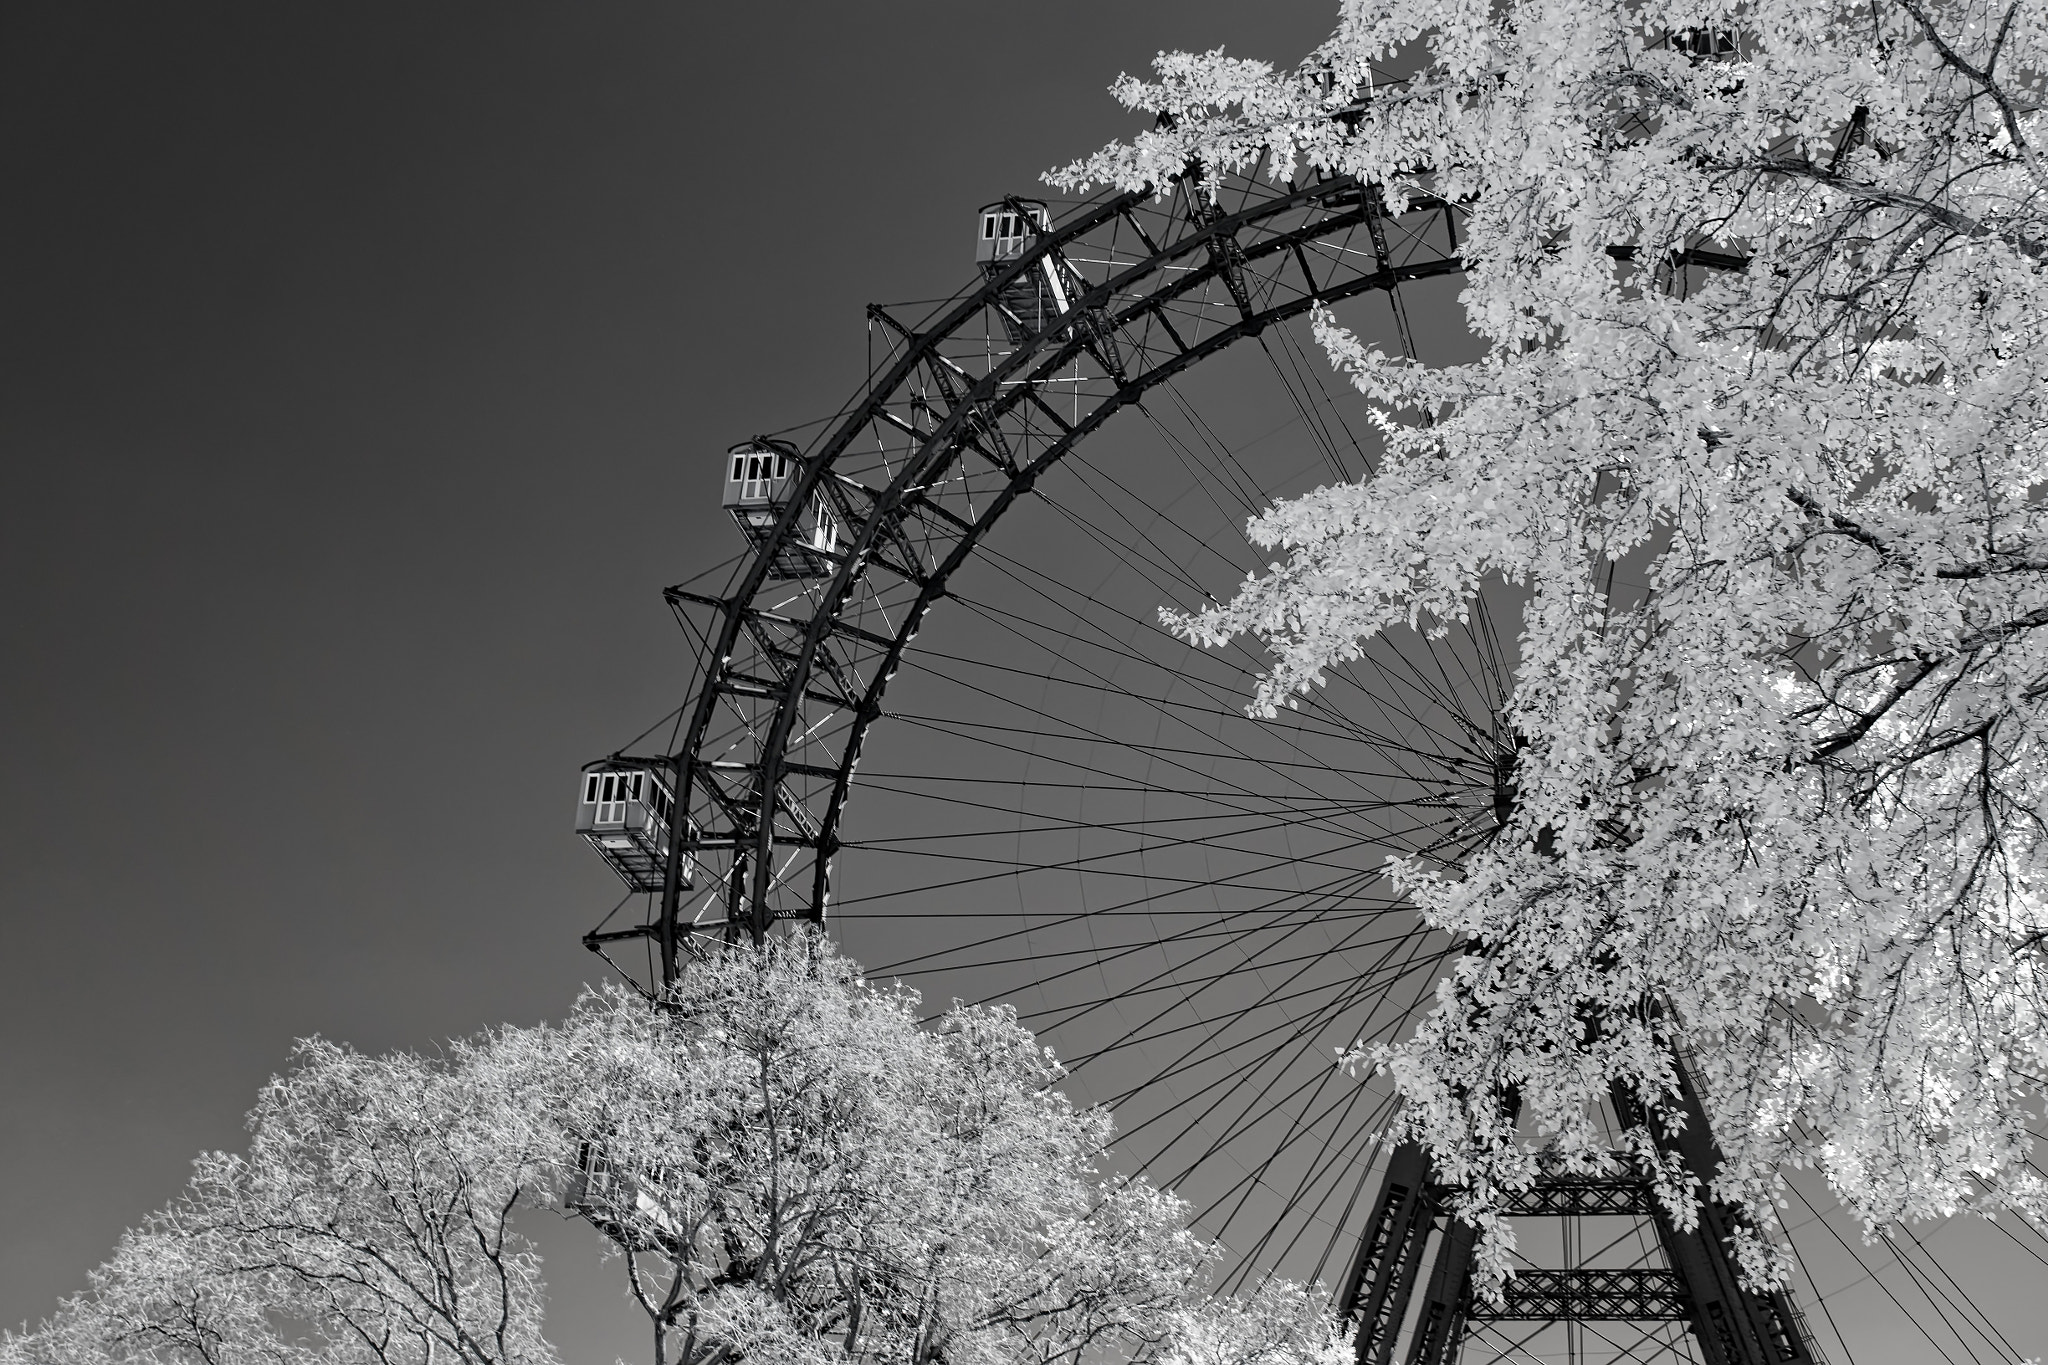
625, 814
1030, 302
625, 1205
760, 483
1008, 228
1705, 45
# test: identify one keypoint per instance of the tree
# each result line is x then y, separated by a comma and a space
1777, 532
1277, 1325
795, 1169
371, 1220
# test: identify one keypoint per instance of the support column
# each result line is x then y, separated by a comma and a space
1735, 1326
1441, 1325
1701, 1288
1377, 1290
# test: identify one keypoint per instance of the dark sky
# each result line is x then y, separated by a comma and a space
365, 369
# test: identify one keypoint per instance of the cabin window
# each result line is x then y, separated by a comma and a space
614, 790
825, 530
1705, 44
1006, 230
757, 472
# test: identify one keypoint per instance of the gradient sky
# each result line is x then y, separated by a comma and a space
366, 371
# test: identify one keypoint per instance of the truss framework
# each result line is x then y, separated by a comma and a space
957, 423
1412, 1227
965, 410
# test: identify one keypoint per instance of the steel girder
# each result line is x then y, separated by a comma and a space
1589, 1296
955, 425
1697, 1285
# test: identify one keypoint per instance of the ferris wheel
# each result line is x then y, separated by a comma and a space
936, 707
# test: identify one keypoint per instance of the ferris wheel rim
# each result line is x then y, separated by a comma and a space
1056, 343
1054, 346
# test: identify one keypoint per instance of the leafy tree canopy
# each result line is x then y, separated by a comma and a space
793, 1168
1779, 536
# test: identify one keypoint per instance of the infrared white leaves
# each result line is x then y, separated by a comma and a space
1779, 535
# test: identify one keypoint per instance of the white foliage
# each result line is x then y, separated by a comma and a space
370, 1221
793, 1158
796, 1171
1279, 1325
1781, 540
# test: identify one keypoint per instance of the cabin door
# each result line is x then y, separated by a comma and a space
612, 796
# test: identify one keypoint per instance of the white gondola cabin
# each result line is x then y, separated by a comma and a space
1705, 45
631, 1210
625, 814
1030, 302
760, 481
1007, 229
